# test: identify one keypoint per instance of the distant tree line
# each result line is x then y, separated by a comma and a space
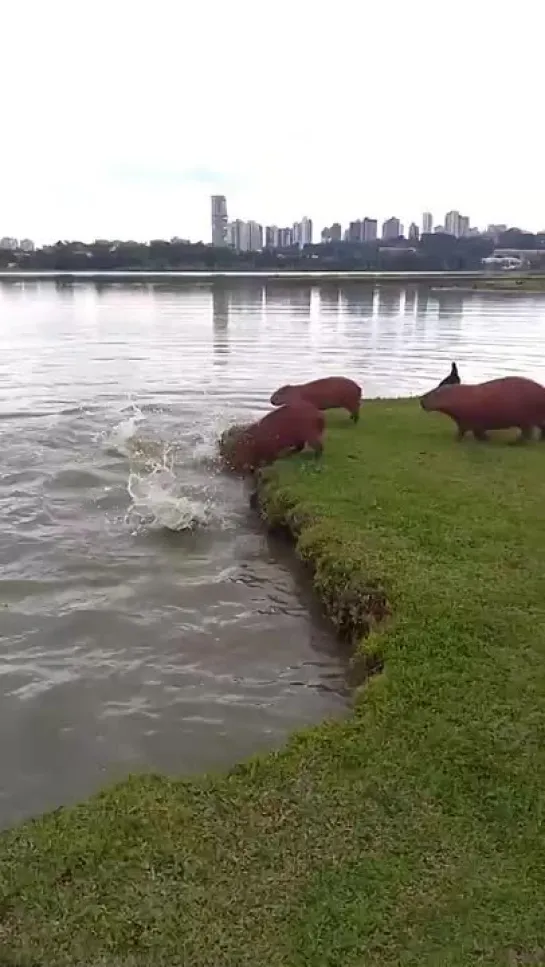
432, 252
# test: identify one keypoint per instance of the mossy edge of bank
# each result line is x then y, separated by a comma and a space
355, 601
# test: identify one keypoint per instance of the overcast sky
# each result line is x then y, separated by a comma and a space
121, 118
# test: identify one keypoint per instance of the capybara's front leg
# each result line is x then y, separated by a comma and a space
462, 430
355, 415
542, 433
480, 435
317, 446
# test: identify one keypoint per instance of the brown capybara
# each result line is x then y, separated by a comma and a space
453, 378
287, 429
228, 439
330, 393
499, 404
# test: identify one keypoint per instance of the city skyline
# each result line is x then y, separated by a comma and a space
253, 236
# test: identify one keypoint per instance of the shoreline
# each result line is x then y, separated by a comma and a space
409, 832
499, 282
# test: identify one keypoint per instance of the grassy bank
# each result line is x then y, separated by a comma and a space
411, 834
501, 283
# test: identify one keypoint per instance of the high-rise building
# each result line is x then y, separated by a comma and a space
355, 231
391, 228
496, 230
464, 225
369, 229
285, 237
302, 232
271, 236
255, 237
219, 220
427, 223
8, 243
26, 245
414, 232
332, 233
244, 236
452, 223
306, 231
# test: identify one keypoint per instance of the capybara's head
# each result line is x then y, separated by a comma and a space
282, 395
437, 398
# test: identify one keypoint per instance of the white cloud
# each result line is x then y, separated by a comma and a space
121, 118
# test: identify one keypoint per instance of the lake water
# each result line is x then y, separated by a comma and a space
145, 620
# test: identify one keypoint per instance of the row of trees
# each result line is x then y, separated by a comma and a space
433, 252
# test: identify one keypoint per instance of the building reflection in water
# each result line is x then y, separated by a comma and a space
410, 301
246, 295
450, 303
329, 294
422, 302
221, 304
358, 298
295, 296
389, 300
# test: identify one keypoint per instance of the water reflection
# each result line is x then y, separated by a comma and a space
221, 304
358, 299
329, 293
247, 297
450, 303
422, 302
280, 295
410, 300
388, 300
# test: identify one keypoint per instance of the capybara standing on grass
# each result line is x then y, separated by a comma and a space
330, 393
499, 404
281, 431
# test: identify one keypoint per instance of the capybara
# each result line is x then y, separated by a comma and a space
453, 378
289, 428
229, 437
332, 392
499, 404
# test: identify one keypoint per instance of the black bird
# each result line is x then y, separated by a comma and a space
453, 377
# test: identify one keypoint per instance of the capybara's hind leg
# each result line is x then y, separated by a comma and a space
462, 430
480, 435
542, 433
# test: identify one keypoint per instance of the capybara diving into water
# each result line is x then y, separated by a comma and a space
330, 393
289, 428
453, 378
499, 404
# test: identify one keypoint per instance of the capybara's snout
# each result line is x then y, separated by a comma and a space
280, 396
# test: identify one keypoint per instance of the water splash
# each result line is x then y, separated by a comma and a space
158, 501
122, 434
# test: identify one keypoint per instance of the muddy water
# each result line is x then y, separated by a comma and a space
145, 621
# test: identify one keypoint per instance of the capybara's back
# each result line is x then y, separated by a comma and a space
288, 428
328, 393
499, 404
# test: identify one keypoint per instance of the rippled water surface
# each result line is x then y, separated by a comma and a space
145, 621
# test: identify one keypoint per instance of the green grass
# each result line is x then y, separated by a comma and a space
514, 283
411, 833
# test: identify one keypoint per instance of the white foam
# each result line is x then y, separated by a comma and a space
157, 501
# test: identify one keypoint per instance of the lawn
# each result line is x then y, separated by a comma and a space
410, 834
